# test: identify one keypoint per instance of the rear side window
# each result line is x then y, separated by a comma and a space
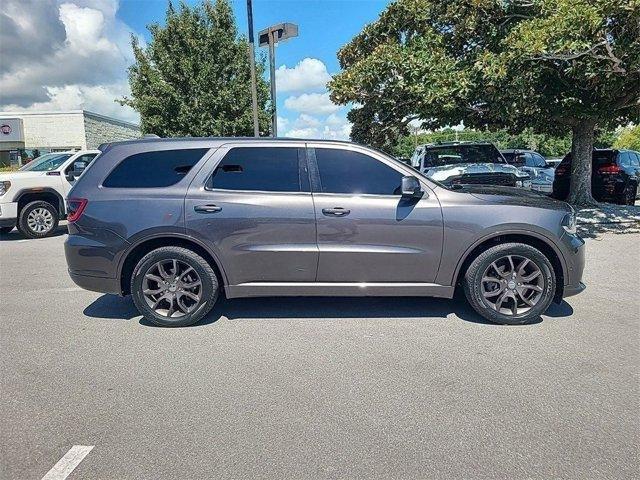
270, 169
154, 169
346, 171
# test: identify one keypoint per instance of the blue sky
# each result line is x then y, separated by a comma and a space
74, 54
324, 26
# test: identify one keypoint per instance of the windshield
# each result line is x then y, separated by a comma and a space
47, 162
454, 154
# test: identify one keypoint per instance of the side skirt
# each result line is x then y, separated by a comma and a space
331, 289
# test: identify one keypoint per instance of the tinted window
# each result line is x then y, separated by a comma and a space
273, 169
535, 160
154, 169
344, 171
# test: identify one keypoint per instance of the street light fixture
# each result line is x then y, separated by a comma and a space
269, 37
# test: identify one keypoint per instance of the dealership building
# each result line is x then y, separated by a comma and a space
25, 135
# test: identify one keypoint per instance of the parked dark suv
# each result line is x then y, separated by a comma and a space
615, 176
174, 222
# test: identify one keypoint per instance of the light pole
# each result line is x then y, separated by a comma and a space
252, 63
269, 37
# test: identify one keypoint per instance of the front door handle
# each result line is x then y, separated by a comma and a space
207, 208
336, 212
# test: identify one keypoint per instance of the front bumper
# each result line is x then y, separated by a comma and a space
571, 290
574, 255
542, 187
8, 214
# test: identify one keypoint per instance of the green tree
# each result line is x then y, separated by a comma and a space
557, 67
629, 138
193, 78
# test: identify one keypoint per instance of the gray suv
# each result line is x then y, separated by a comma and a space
175, 222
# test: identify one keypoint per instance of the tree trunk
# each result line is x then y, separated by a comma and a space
581, 153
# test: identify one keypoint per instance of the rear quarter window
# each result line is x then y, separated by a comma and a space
154, 169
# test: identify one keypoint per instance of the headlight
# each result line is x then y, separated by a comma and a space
4, 186
569, 223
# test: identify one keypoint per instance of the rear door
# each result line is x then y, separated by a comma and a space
367, 232
252, 205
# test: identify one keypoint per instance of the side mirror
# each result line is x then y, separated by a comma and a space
78, 168
411, 186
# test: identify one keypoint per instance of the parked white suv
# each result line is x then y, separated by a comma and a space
34, 197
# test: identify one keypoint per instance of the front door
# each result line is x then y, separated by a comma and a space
252, 205
80, 163
367, 231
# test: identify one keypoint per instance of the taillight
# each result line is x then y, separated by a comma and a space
75, 207
610, 169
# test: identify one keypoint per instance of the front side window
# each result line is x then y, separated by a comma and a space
154, 169
82, 162
346, 171
270, 169
534, 160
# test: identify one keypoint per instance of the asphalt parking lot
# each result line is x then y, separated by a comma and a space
318, 388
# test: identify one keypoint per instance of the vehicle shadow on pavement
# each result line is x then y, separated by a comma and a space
14, 234
316, 308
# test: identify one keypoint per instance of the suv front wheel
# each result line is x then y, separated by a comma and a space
38, 219
511, 284
174, 287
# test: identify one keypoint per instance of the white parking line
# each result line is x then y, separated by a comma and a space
68, 463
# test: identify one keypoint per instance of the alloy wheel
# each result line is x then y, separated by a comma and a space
40, 220
172, 288
512, 285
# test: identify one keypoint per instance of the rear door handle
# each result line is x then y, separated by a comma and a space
336, 212
207, 208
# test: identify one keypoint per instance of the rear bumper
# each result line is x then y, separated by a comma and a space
96, 284
92, 261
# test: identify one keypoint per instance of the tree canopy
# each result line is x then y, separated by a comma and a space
193, 78
555, 66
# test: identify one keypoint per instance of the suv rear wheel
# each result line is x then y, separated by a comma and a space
510, 284
174, 287
38, 219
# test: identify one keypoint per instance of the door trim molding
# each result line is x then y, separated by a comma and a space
338, 289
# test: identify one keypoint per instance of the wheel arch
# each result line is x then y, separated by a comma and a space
529, 238
138, 250
28, 195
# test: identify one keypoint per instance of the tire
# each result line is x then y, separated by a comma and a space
170, 292
480, 289
628, 197
38, 219
5, 230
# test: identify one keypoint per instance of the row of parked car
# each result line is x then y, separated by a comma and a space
33, 199
615, 176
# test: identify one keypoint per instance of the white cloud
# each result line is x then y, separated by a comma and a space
312, 103
332, 127
308, 75
64, 56
97, 98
